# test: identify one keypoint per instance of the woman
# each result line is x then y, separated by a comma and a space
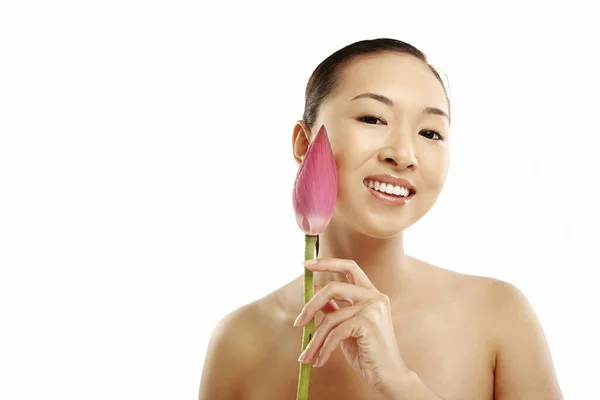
388, 325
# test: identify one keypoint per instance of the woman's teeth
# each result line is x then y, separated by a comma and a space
387, 188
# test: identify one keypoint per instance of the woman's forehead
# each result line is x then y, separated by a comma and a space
400, 77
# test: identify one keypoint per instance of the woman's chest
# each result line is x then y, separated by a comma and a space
453, 359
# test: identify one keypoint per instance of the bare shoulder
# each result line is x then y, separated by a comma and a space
497, 301
501, 300
243, 329
523, 366
232, 345
469, 287
240, 340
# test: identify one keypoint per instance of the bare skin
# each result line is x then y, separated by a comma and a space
450, 328
441, 334
462, 336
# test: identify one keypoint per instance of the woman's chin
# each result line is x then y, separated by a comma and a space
376, 223
381, 229
384, 232
388, 222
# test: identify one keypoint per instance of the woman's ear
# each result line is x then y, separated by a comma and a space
300, 140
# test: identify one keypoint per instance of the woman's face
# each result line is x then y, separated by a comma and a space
395, 138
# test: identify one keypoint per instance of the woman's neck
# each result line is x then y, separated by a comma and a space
383, 260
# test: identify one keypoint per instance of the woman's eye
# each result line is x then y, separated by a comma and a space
372, 120
369, 119
432, 134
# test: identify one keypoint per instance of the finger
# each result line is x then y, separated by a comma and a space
331, 306
343, 331
350, 268
336, 291
330, 321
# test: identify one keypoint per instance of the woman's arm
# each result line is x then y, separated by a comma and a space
227, 358
523, 367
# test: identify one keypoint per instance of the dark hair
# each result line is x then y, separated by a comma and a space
324, 78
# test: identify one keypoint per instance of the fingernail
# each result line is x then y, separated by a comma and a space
302, 357
298, 319
311, 262
317, 362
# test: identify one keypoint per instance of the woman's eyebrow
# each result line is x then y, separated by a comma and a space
388, 102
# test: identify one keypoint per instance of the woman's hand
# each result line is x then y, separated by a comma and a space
363, 330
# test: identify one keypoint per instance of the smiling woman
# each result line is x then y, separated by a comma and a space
388, 325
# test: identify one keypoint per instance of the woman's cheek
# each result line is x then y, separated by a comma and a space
437, 176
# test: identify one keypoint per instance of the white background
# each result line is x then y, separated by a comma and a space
146, 173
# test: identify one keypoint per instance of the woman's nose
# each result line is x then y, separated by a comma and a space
400, 152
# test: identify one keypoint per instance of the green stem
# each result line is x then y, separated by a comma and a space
308, 330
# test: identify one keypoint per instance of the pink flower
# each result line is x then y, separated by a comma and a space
315, 189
